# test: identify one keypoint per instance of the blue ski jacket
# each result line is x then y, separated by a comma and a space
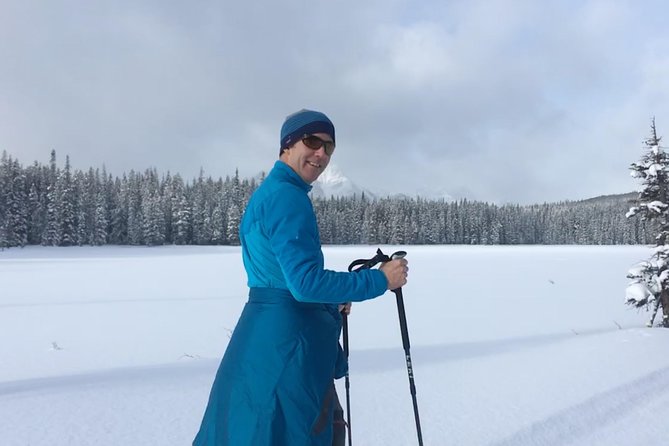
273, 385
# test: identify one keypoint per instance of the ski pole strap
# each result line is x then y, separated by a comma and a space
380, 257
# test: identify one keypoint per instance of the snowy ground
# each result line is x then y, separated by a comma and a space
511, 346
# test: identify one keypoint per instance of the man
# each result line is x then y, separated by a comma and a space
274, 384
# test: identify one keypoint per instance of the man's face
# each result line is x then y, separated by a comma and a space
307, 163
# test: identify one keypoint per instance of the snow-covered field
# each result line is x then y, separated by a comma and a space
511, 346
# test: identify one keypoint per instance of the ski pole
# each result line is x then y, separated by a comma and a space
366, 264
357, 265
347, 382
407, 349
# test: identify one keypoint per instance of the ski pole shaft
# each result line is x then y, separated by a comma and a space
407, 353
361, 264
347, 381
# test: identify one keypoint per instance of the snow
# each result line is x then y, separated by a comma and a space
657, 206
637, 292
632, 212
510, 346
637, 271
654, 169
333, 183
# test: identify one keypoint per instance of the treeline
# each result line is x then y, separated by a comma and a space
53, 206
47, 205
418, 221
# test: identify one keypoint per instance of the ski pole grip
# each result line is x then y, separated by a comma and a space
398, 255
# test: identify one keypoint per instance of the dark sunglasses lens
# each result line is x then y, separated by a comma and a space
312, 142
315, 143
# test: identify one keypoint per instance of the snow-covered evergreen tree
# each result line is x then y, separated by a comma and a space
397, 224
152, 216
650, 279
181, 212
183, 222
99, 235
233, 218
199, 214
152, 221
36, 212
217, 221
51, 234
119, 212
82, 191
370, 229
17, 207
4, 192
134, 209
66, 204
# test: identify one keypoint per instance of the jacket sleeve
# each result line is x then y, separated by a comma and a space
291, 228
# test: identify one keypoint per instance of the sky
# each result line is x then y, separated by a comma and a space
513, 101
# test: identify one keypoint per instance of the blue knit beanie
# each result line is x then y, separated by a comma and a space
304, 122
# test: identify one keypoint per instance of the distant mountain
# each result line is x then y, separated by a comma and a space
435, 194
333, 183
424, 193
627, 198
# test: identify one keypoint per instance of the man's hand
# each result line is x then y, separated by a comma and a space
345, 308
396, 272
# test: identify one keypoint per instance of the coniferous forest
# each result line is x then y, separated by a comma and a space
58, 206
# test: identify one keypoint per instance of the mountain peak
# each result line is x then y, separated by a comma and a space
333, 183
332, 175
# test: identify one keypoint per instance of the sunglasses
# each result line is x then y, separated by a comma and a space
315, 143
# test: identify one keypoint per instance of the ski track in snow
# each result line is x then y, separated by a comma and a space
364, 361
574, 424
571, 426
375, 360
143, 406
114, 301
122, 376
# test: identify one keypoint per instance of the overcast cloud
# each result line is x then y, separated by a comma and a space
504, 101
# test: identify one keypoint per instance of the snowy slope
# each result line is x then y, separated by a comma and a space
333, 183
510, 345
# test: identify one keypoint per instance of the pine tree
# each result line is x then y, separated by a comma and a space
152, 216
4, 194
182, 224
233, 219
217, 233
199, 210
152, 221
51, 234
650, 279
66, 204
370, 228
119, 213
36, 212
134, 197
397, 224
82, 191
17, 207
3, 236
99, 236
181, 212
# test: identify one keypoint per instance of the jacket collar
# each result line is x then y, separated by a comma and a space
285, 172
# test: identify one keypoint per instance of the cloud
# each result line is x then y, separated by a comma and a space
508, 101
